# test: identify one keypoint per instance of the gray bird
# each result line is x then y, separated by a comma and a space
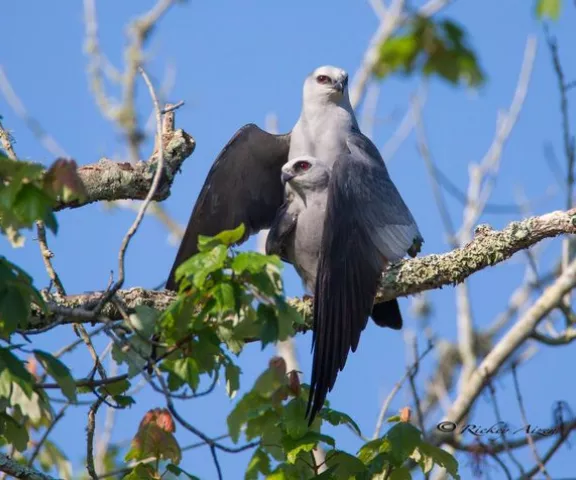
296, 233
365, 225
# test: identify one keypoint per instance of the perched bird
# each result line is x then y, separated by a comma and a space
296, 233
366, 223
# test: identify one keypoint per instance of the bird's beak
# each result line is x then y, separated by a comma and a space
286, 177
342, 84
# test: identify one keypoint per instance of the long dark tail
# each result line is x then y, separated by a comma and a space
387, 314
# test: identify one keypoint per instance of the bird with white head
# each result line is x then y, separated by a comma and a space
337, 217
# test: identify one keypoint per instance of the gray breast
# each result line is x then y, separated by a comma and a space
308, 238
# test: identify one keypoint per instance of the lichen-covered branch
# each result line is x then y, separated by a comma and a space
489, 247
108, 180
17, 470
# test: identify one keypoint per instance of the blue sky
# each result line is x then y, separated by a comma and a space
235, 63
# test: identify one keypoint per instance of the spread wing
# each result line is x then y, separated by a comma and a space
243, 186
366, 224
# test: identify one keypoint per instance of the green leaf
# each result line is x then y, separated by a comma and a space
269, 327
144, 320
141, 472
232, 373
307, 443
259, 463
59, 372
14, 309
135, 356
430, 48
404, 438
182, 371
371, 449
338, 418
254, 262
288, 316
33, 204
14, 433
223, 293
226, 238
346, 465
548, 8
124, 400
203, 264
294, 419
441, 458
51, 456
115, 388
243, 412
400, 473
15, 372
178, 471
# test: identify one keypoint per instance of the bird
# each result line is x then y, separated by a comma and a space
296, 233
366, 223
244, 183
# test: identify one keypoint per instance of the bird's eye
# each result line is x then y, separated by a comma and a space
302, 166
323, 79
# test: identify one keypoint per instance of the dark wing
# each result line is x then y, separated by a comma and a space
280, 232
366, 224
243, 186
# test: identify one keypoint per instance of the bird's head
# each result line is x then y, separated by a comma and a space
305, 173
327, 84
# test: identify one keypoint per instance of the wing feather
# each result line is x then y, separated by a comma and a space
243, 186
366, 224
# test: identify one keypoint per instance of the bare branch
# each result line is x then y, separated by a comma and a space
90, 430
412, 370
48, 431
17, 470
47, 259
482, 175
489, 248
6, 142
47, 141
525, 420
510, 342
153, 188
108, 180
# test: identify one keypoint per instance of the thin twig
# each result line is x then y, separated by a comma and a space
90, 429
568, 140
47, 432
216, 462
47, 259
526, 423
394, 391
47, 141
6, 142
140, 216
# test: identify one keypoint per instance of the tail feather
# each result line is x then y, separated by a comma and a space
387, 314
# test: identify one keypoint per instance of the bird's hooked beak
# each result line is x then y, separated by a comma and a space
286, 177
341, 84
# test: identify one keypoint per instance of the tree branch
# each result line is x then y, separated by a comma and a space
488, 248
17, 470
108, 180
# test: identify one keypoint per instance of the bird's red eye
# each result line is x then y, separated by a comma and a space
303, 166
323, 79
